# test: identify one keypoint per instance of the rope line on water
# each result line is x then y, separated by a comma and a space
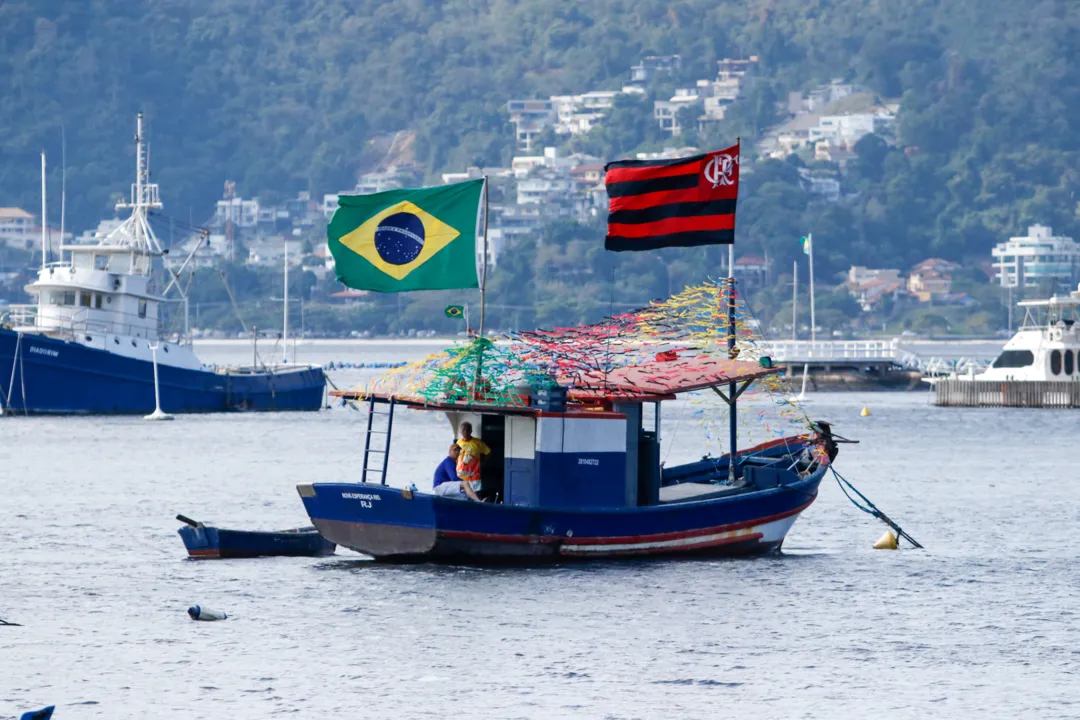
869, 508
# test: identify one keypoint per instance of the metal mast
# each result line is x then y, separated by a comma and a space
135, 231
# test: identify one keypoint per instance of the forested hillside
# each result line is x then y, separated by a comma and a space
284, 96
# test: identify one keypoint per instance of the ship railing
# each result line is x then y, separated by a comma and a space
941, 367
77, 323
19, 316
804, 350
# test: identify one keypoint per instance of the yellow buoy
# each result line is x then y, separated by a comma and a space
865, 412
886, 541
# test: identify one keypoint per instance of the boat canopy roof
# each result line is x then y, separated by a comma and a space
661, 379
665, 377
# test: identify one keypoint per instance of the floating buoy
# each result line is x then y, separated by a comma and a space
886, 541
198, 612
865, 412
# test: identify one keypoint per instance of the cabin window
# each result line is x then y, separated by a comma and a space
97, 300
1015, 359
1068, 363
85, 298
80, 260
142, 308
101, 262
1055, 362
69, 298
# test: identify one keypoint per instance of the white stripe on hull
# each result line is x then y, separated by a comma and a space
771, 532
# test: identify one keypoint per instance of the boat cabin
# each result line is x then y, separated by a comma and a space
1046, 348
593, 447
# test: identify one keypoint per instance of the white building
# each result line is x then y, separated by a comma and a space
666, 112
654, 65
846, 130
93, 237
861, 275
243, 213
544, 190
529, 118
19, 229
1027, 261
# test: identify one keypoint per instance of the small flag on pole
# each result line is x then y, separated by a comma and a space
455, 311
806, 240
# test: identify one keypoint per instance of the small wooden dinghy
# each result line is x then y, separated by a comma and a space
202, 542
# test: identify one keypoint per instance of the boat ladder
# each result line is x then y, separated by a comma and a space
380, 428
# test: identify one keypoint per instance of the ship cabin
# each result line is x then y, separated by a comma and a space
596, 447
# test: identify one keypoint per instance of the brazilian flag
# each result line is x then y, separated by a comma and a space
455, 311
409, 239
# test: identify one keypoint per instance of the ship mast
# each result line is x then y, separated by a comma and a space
144, 197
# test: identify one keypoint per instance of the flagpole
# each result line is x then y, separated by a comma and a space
733, 461
813, 317
794, 301
733, 455
483, 266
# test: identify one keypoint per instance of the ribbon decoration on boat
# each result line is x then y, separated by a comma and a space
659, 341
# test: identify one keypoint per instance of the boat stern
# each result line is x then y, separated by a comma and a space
372, 519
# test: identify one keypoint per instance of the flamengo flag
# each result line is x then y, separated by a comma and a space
665, 203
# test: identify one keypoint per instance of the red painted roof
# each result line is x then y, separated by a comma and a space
664, 378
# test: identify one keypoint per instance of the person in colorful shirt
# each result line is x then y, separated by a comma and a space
446, 483
473, 450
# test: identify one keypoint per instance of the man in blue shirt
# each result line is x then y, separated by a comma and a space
446, 483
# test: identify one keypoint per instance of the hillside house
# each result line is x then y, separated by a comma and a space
752, 270
653, 66
530, 118
931, 280
18, 229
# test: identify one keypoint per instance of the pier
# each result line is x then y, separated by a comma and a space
955, 392
846, 364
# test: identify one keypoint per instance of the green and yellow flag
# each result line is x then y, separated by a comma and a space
410, 239
455, 311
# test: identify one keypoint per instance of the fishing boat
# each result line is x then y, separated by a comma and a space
203, 542
91, 342
581, 476
574, 468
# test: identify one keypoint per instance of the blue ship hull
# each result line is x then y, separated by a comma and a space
50, 376
392, 524
211, 542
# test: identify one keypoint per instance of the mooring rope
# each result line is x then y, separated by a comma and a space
344, 401
869, 508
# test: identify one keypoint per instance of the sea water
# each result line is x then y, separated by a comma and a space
982, 623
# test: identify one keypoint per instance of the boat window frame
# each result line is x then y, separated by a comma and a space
1055, 362
1009, 359
1070, 368
142, 309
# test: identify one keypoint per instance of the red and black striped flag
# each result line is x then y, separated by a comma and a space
665, 203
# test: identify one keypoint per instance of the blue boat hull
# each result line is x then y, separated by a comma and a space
211, 542
49, 376
391, 524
